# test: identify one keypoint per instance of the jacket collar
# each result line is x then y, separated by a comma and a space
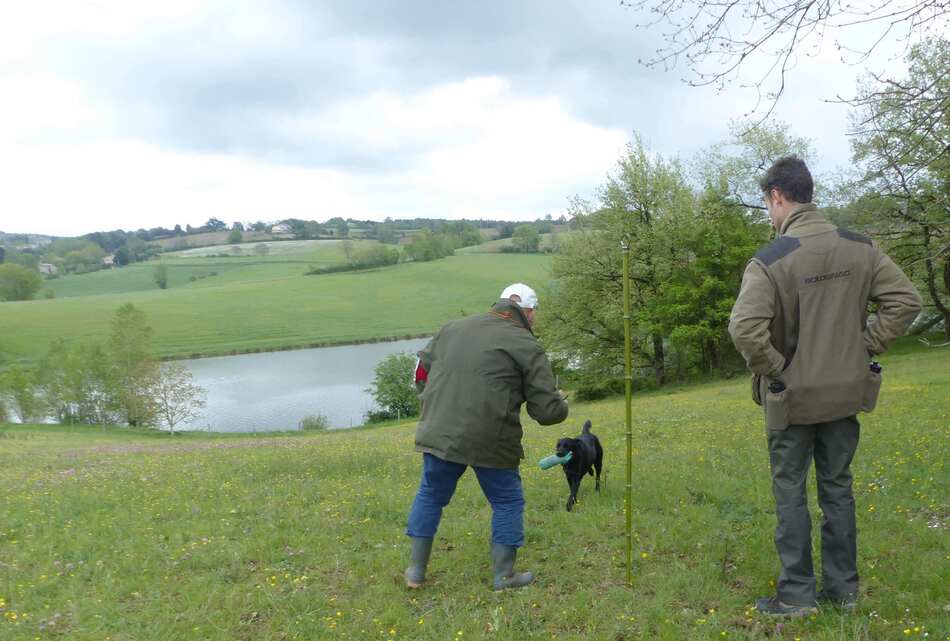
805, 220
510, 311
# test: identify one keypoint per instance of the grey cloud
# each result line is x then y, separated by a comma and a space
205, 89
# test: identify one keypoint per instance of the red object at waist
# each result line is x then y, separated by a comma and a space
421, 375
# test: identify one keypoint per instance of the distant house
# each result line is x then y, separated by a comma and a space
109, 261
48, 269
281, 228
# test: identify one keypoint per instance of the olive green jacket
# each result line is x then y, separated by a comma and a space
801, 316
480, 371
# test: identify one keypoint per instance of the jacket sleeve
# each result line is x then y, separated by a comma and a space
425, 361
898, 304
545, 404
751, 319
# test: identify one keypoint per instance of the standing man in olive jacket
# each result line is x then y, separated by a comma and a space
474, 376
801, 324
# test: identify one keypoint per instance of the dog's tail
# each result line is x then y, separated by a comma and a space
586, 429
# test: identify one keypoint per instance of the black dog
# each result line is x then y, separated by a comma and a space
587, 456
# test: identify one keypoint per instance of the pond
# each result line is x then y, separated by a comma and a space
274, 390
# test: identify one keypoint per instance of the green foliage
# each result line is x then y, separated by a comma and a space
599, 389
340, 227
18, 282
75, 255
461, 233
118, 382
314, 423
386, 233
77, 384
687, 253
393, 388
20, 387
235, 236
526, 239
26, 259
362, 257
648, 202
902, 131
161, 275
365, 256
426, 246
139, 250
699, 298
135, 371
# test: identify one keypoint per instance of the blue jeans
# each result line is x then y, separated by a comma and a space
502, 488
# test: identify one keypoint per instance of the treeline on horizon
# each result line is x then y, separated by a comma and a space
81, 254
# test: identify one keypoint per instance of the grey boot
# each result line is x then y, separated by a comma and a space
420, 549
503, 561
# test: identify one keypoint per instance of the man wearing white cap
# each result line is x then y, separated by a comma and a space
474, 376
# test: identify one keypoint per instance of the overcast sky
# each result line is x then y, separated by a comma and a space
127, 114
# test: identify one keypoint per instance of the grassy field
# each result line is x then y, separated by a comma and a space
125, 536
205, 267
254, 304
496, 246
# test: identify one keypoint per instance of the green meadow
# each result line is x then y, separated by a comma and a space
218, 264
259, 303
123, 535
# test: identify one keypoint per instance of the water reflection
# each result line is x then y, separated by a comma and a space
274, 390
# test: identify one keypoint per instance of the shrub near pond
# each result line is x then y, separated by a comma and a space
314, 423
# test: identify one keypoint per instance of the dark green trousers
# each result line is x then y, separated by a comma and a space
832, 446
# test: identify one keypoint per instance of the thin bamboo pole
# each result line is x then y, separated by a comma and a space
628, 393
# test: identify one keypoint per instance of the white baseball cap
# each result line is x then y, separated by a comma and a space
529, 300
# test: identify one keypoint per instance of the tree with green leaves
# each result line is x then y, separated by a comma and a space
526, 239
19, 386
235, 236
426, 246
902, 141
160, 275
135, 371
18, 282
392, 387
698, 299
687, 254
77, 384
648, 201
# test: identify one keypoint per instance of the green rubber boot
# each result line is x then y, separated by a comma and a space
419, 551
503, 561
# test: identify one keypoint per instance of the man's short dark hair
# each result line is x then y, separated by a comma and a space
790, 175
